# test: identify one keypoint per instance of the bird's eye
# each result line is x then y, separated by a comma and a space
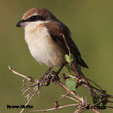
33, 18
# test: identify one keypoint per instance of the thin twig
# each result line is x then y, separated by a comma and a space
63, 96
66, 44
29, 98
109, 107
94, 83
96, 111
78, 98
70, 76
51, 109
69, 97
13, 71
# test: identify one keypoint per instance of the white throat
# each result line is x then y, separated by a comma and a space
31, 25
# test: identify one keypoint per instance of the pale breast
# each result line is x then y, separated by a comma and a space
42, 47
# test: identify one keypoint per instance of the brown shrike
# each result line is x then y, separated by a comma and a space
48, 39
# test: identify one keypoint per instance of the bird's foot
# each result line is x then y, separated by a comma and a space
54, 76
50, 76
49, 71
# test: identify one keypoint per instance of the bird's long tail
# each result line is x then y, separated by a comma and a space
81, 62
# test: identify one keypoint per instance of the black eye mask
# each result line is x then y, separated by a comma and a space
35, 18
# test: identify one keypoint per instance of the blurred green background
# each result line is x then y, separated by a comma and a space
91, 24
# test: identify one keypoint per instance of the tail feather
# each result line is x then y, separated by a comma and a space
75, 63
82, 63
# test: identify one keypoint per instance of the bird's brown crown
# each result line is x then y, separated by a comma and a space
47, 15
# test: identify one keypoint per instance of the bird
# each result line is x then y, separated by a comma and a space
48, 39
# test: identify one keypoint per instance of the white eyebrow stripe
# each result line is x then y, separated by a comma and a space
34, 14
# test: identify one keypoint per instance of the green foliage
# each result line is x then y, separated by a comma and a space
71, 83
69, 58
68, 66
101, 99
104, 102
79, 69
95, 99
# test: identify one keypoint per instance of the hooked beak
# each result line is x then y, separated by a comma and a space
20, 23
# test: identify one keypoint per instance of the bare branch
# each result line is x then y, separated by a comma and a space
96, 111
71, 98
52, 77
78, 98
24, 76
29, 98
51, 109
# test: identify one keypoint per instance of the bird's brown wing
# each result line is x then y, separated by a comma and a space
61, 34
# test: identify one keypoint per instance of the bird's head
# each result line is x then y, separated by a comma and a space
34, 15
